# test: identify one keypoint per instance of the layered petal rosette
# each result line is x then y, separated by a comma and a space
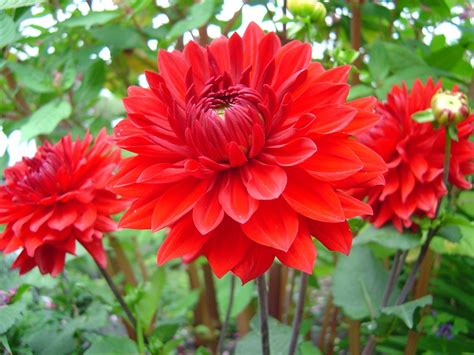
58, 198
414, 153
245, 149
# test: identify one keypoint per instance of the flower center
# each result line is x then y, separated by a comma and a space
222, 118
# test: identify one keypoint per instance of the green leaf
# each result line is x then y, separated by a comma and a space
401, 57
243, 295
388, 237
465, 202
199, 14
450, 232
94, 78
153, 289
112, 345
117, 36
365, 277
10, 314
9, 33
378, 67
68, 75
91, 19
453, 132
423, 116
32, 78
280, 335
307, 348
12, 4
4, 342
405, 311
45, 119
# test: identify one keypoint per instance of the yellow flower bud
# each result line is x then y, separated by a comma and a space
449, 107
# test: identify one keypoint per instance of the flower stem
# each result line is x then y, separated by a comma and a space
298, 314
118, 296
397, 265
220, 344
263, 306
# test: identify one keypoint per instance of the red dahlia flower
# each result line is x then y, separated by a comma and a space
245, 149
414, 153
57, 198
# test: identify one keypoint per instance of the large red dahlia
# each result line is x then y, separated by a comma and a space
244, 149
57, 198
414, 153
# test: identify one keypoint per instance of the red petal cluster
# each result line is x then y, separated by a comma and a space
57, 198
414, 153
245, 149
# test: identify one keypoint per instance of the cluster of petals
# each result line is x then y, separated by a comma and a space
245, 149
415, 153
56, 198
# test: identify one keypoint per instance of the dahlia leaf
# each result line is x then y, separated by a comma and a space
365, 277
388, 237
91, 19
112, 345
453, 133
13, 4
45, 119
10, 314
32, 78
9, 31
378, 67
406, 310
198, 16
423, 116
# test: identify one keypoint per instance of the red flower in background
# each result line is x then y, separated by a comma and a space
57, 198
414, 153
245, 149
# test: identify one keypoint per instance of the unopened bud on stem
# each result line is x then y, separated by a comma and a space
313, 9
449, 107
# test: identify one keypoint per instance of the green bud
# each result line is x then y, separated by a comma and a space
313, 9
449, 107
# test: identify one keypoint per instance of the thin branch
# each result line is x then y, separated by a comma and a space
298, 314
220, 344
263, 306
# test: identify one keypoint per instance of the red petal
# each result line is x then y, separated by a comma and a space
263, 181
258, 260
302, 253
353, 207
312, 198
334, 236
293, 152
227, 247
208, 213
176, 201
87, 218
183, 239
333, 161
274, 224
235, 200
64, 216
332, 118
407, 182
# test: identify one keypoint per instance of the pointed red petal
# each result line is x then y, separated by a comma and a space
274, 224
176, 201
208, 213
353, 207
263, 181
235, 200
183, 239
227, 247
312, 198
334, 236
258, 260
302, 253
293, 152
